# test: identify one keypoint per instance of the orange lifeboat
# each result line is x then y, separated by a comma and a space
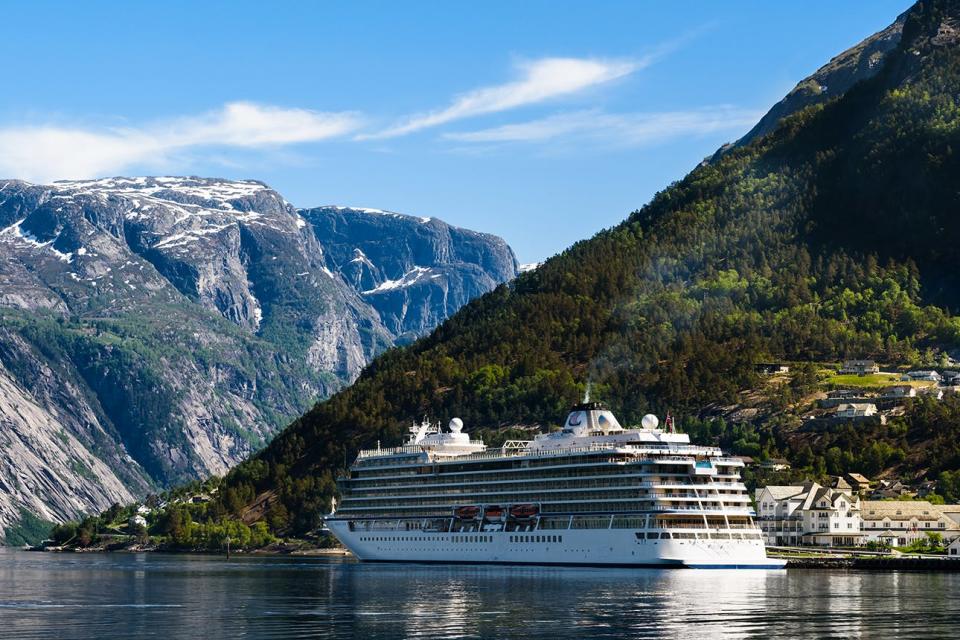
524, 511
466, 513
493, 512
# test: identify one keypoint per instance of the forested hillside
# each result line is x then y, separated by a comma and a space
834, 236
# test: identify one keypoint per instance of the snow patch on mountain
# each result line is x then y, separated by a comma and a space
409, 278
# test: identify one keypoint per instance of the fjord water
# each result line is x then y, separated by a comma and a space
209, 597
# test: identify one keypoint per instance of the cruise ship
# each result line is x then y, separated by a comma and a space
593, 493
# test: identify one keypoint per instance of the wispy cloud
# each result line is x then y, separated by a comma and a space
539, 81
633, 129
44, 153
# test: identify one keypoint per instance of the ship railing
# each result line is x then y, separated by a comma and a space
684, 454
404, 449
389, 451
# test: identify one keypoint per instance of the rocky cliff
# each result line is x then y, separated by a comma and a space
414, 271
154, 330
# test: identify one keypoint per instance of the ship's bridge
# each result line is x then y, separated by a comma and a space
592, 423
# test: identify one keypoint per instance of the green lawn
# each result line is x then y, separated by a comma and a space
874, 381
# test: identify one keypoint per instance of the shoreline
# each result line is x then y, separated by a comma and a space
930, 565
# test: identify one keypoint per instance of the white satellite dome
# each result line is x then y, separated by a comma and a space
456, 425
650, 422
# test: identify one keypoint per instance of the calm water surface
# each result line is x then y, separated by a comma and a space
172, 596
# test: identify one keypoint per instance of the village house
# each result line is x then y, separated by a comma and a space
934, 392
859, 367
953, 551
856, 411
859, 483
809, 514
928, 376
886, 489
137, 521
771, 368
903, 522
775, 464
900, 391
843, 394
950, 378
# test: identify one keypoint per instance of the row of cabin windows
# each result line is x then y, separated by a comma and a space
536, 538
480, 488
443, 511
456, 539
442, 476
524, 464
900, 525
547, 523
427, 476
531, 496
382, 466
708, 502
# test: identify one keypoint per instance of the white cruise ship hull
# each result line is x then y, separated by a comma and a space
573, 547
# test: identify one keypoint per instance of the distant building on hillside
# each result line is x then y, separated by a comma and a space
859, 367
932, 392
808, 514
926, 376
950, 378
856, 411
899, 391
775, 464
771, 368
886, 489
858, 482
843, 394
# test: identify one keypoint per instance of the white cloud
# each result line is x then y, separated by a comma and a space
540, 80
634, 129
45, 153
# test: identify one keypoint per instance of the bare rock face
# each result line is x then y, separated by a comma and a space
414, 272
833, 79
155, 330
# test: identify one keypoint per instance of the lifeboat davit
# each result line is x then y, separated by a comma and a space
524, 511
467, 513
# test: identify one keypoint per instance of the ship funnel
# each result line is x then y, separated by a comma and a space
588, 417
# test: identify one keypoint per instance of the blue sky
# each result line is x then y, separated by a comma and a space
542, 122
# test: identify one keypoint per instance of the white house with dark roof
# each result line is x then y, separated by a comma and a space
899, 391
809, 514
859, 367
855, 410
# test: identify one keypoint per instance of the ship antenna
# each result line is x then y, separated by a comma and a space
586, 394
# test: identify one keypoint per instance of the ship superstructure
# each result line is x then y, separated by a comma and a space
592, 493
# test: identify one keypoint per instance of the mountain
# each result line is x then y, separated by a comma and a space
834, 235
414, 272
155, 330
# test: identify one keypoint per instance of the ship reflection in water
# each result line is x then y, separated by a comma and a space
170, 597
